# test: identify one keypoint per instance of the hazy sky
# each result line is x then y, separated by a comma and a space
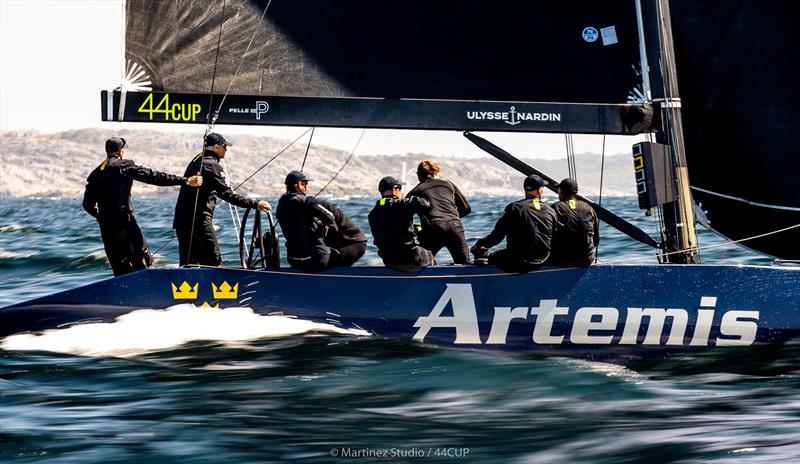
57, 55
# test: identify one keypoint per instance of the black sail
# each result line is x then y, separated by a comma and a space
444, 49
484, 65
737, 73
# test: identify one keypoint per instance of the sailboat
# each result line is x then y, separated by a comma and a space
719, 152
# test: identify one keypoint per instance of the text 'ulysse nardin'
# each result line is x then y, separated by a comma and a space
513, 117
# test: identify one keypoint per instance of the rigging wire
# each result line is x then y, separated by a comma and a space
241, 61
345, 163
600, 196
211, 120
307, 148
572, 171
709, 247
209, 125
271, 159
237, 221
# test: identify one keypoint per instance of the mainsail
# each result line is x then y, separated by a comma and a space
482, 65
450, 64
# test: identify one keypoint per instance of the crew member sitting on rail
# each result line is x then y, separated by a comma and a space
527, 225
577, 233
441, 224
392, 229
305, 222
108, 199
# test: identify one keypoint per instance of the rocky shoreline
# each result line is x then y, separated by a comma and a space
36, 164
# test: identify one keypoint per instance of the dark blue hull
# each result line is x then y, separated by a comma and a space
599, 312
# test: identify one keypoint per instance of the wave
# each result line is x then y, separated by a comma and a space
53, 263
149, 330
342, 198
5, 255
95, 260
19, 228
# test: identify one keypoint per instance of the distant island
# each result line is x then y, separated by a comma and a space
56, 165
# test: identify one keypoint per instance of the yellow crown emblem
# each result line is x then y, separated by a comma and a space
206, 305
185, 291
225, 291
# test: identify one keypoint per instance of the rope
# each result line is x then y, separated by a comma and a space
270, 160
345, 163
162, 246
237, 222
752, 203
709, 247
571, 168
209, 125
600, 197
241, 61
307, 148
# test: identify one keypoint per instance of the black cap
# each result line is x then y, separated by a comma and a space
388, 182
214, 138
568, 186
295, 177
533, 182
115, 144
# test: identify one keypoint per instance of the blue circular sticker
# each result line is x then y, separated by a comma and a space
590, 34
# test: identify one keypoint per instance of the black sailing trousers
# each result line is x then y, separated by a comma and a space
449, 234
204, 246
125, 246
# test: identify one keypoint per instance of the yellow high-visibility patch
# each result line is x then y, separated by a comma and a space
383, 201
573, 204
537, 205
103, 164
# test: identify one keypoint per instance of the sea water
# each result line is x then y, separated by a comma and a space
185, 385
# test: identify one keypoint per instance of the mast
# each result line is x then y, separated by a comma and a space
678, 233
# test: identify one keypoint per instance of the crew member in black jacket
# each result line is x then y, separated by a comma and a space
197, 241
108, 199
347, 241
312, 232
392, 230
578, 234
441, 224
527, 225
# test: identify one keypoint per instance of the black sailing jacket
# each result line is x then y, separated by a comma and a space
391, 224
215, 187
303, 221
346, 233
108, 190
577, 236
447, 201
528, 231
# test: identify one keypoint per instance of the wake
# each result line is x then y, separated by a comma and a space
149, 330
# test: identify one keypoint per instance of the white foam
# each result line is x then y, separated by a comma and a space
12, 228
148, 330
16, 255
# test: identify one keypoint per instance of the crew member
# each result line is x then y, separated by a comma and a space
108, 199
392, 229
441, 224
194, 211
527, 225
577, 234
306, 221
347, 241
